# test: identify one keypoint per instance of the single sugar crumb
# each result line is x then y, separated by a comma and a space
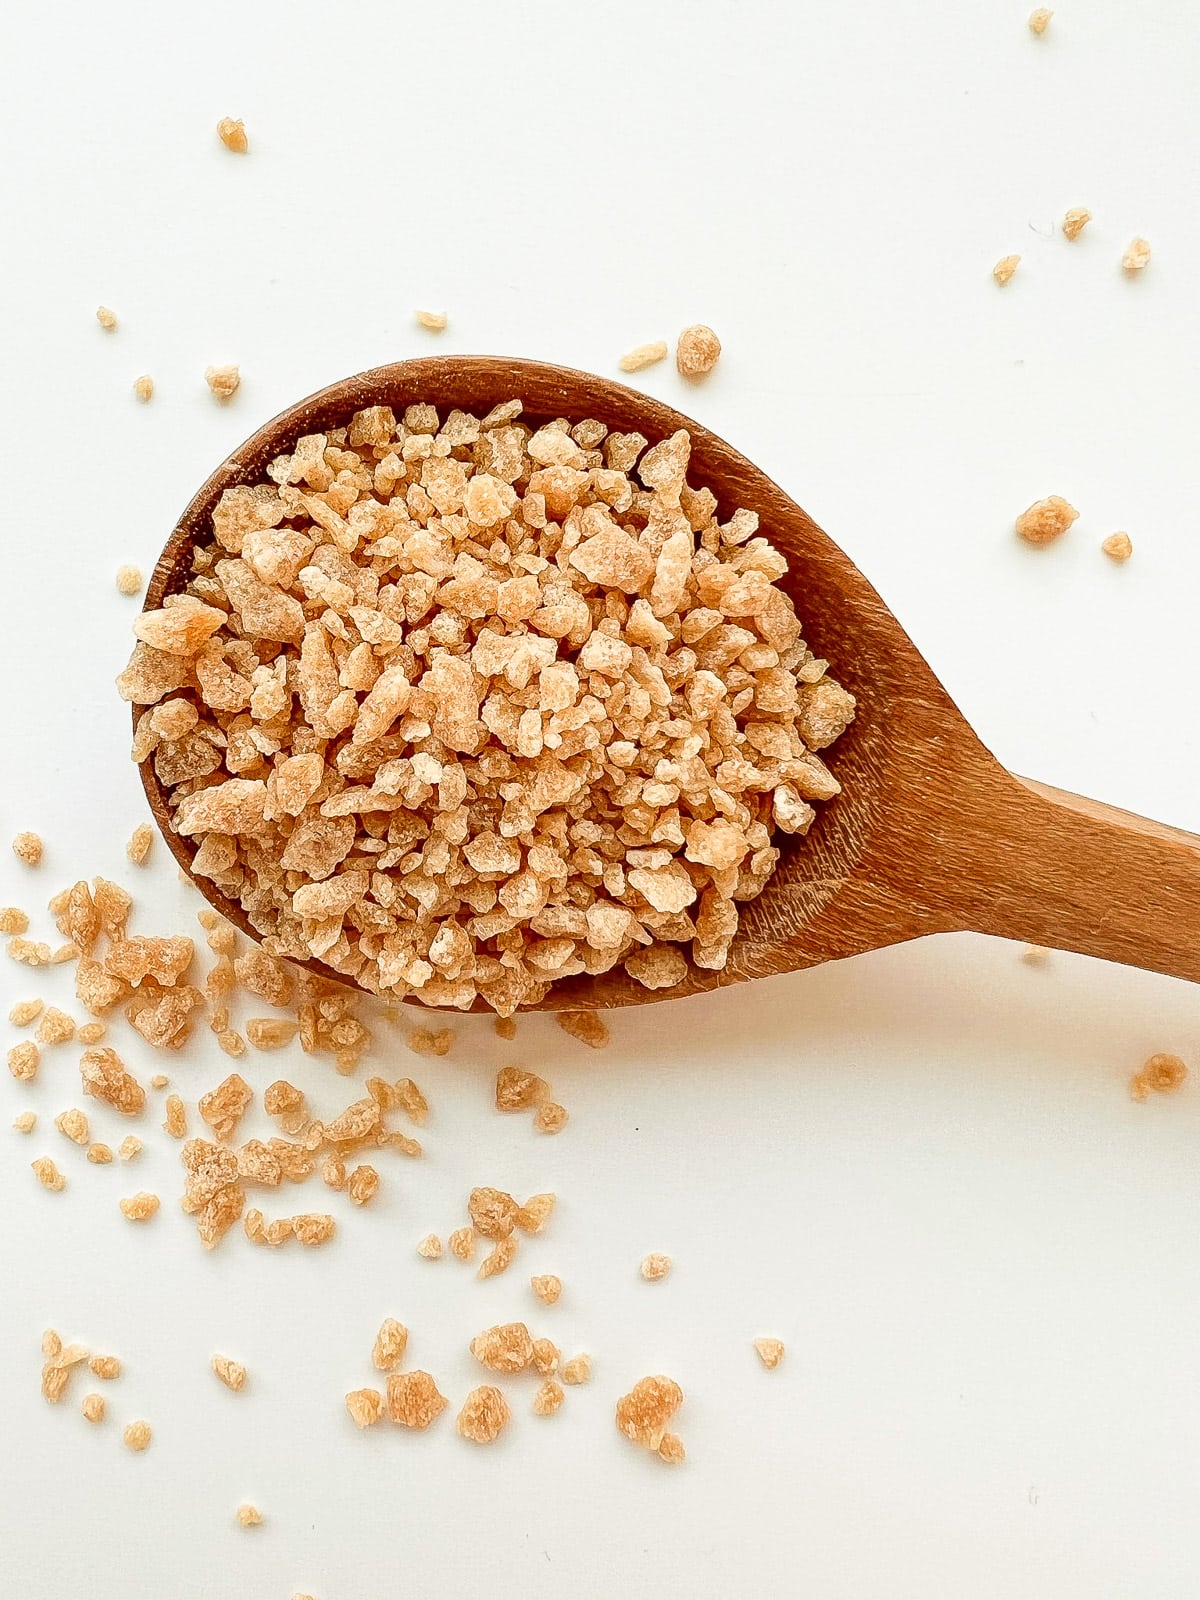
549, 1398
73, 1125
1117, 547
25, 1011
231, 1373
546, 1356
365, 1406
249, 1516
143, 388
462, 1243
64, 953
430, 1247
499, 1258
655, 1266
435, 321
129, 1147
270, 1033
426, 1042
48, 1174
175, 1122
99, 1155
517, 1090
671, 1450
506, 1348
14, 920
223, 381
533, 1216
1039, 21
1005, 268
139, 844
362, 1185
28, 847
223, 1107
23, 1060
643, 356
1035, 955
505, 1027
1162, 1074
1136, 258
106, 318
30, 952
390, 1344
159, 1080
547, 1286
484, 1415
51, 1344
1044, 521
697, 352
106, 1367
26, 1122
643, 1413
413, 1399
137, 1435
586, 1026
139, 1207
93, 1407
578, 1369
550, 1118
91, 1033
56, 1027
1075, 221
232, 133
770, 1352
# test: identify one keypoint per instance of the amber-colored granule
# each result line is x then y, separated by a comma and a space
23, 1061
435, 321
642, 356
549, 1398
105, 1078
270, 1033
106, 1367
430, 1247
1005, 269
13, 920
30, 952
547, 1287
1039, 21
1117, 547
390, 1344
224, 383
60, 1362
586, 1026
431, 1042
175, 1122
249, 1516
550, 1118
93, 1407
313, 1228
91, 1033
655, 1266
546, 1356
143, 388
1136, 257
492, 1212
1161, 1074
643, 1413
484, 1415
73, 1125
499, 1258
159, 1080
413, 1399
232, 133
137, 1435
139, 1207
100, 1155
25, 1011
461, 1243
1035, 955
578, 1369
697, 351
1043, 522
533, 1216
1075, 221
129, 1147
106, 318
48, 1174
28, 847
365, 1406
56, 1027
140, 841
505, 1027
770, 1352
506, 1348
517, 1090
223, 1107
25, 1121
671, 1450
362, 1185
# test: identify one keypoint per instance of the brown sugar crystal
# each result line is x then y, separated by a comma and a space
1161, 1074
1005, 269
547, 1287
1039, 21
365, 1407
586, 1026
223, 1107
106, 318
73, 1125
232, 133
671, 1450
413, 1399
139, 1207
249, 1516
105, 1078
48, 1174
492, 1212
23, 1061
143, 388
28, 847
100, 1155
577, 1370
533, 1216
1117, 547
140, 841
770, 1352
550, 1118
498, 1259
175, 1122
137, 1436
461, 1243
13, 920
435, 321
24, 1012
1136, 258
655, 1266
1075, 221
517, 1090
362, 1184
106, 1367
93, 1407
430, 1248
56, 1027
643, 1413
643, 356
1044, 521
390, 1344
25, 1121
506, 1348
697, 351
231, 1373
224, 382
484, 1415
549, 1398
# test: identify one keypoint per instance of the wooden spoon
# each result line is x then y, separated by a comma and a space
930, 834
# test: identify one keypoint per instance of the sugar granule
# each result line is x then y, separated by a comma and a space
586, 1026
549, 1398
365, 1407
14, 920
93, 1407
28, 847
106, 1367
137, 1435
140, 841
517, 1090
506, 1348
435, 321
498, 1259
175, 1121
413, 1399
671, 1450
642, 356
56, 1027
25, 1121
770, 1352
697, 351
462, 1243
143, 388
484, 1415
73, 1125
1005, 268
129, 1147
547, 1287
224, 382
655, 1266
25, 1011
249, 1516
550, 1118
390, 1344
1161, 1074
48, 1174
1117, 547
23, 1061
1075, 221
232, 133
578, 1369
430, 1247
642, 1414
100, 1155
1045, 520
106, 318
139, 1207
1039, 21
1136, 258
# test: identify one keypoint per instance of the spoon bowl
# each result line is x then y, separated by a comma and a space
930, 833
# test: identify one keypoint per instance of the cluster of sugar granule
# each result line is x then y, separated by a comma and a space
1161, 1074
1045, 520
232, 133
1005, 268
463, 707
13, 920
518, 1090
697, 352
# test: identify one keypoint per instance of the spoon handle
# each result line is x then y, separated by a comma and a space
1055, 869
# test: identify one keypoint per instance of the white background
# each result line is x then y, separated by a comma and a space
922, 1168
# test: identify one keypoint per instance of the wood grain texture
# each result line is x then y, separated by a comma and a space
930, 835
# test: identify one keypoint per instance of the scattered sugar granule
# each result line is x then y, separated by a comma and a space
1075, 221
655, 1266
23, 1061
546, 1356
99, 1155
642, 1414
28, 847
73, 1125
547, 1287
1043, 521
1005, 268
231, 1373
365, 1406
139, 1207
106, 1367
56, 1027
13, 920
1117, 547
1136, 258
550, 1118
577, 1370
48, 1174
64, 953
159, 1080
642, 356
462, 1243
333, 1172
223, 381
106, 318
249, 1516
51, 1344
586, 1026
129, 1147
505, 1027
143, 388
29, 952
413, 1399
430, 1247
492, 1212
91, 1033
137, 1435
697, 352
390, 1344
232, 133
1161, 1074
517, 1090
140, 841
671, 1450
770, 1352
26, 1122
105, 1078
223, 1107
1035, 955
25, 1011
270, 1033
499, 1258
506, 1348
435, 321
533, 1216
549, 1398
1039, 21
362, 1185
93, 1407
484, 1415
425, 1042
175, 1122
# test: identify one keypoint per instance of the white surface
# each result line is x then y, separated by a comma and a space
921, 1168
